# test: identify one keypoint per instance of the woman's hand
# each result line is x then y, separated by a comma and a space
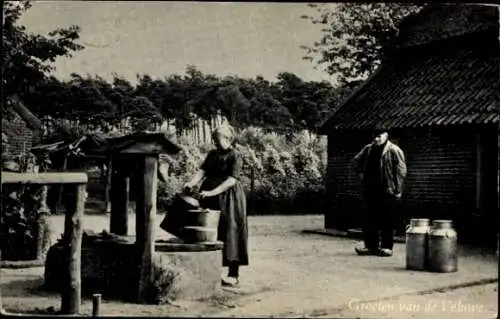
194, 181
188, 186
204, 194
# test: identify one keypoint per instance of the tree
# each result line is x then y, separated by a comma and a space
266, 108
354, 37
307, 102
27, 57
89, 96
145, 113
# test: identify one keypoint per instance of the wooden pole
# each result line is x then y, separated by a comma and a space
43, 211
119, 200
109, 176
145, 214
252, 190
96, 305
498, 194
61, 187
71, 292
1, 303
40, 232
2, 54
478, 172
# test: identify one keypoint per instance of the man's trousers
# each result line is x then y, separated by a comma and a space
379, 221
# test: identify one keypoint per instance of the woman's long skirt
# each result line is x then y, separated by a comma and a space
233, 226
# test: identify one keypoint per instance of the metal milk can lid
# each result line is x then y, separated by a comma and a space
419, 222
442, 224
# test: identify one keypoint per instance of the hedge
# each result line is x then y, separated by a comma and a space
288, 172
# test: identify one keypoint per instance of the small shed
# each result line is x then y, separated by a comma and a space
438, 93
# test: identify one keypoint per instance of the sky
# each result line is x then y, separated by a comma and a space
162, 38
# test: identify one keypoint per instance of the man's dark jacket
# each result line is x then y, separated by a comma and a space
392, 164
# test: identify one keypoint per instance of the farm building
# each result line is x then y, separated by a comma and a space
438, 94
21, 128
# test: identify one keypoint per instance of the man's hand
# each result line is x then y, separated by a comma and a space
398, 196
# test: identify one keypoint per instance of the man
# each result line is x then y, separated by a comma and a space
381, 167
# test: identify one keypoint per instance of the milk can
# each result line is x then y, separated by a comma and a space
417, 243
443, 247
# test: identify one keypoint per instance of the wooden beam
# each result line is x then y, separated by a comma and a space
96, 305
71, 292
44, 178
119, 200
1, 303
252, 191
479, 169
40, 232
61, 187
109, 182
145, 214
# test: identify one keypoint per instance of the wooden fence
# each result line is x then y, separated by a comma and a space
201, 131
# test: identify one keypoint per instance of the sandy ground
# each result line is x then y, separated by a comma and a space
302, 275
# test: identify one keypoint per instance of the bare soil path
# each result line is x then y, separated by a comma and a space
302, 275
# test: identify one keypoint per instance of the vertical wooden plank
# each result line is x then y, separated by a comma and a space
145, 214
329, 221
40, 234
96, 305
43, 211
252, 190
71, 292
107, 191
61, 187
119, 200
479, 170
498, 172
1, 303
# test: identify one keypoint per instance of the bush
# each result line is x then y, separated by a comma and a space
161, 290
22, 228
288, 173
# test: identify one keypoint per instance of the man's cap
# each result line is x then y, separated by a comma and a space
379, 129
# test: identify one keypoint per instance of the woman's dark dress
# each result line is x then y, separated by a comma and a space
232, 230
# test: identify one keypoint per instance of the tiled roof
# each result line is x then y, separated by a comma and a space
437, 22
455, 86
18, 106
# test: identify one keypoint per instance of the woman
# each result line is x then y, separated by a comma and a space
221, 190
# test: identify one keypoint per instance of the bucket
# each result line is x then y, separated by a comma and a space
203, 218
196, 234
177, 216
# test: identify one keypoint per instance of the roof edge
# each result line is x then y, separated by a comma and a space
323, 127
31, 119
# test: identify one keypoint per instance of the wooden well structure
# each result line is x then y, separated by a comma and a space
135, 158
